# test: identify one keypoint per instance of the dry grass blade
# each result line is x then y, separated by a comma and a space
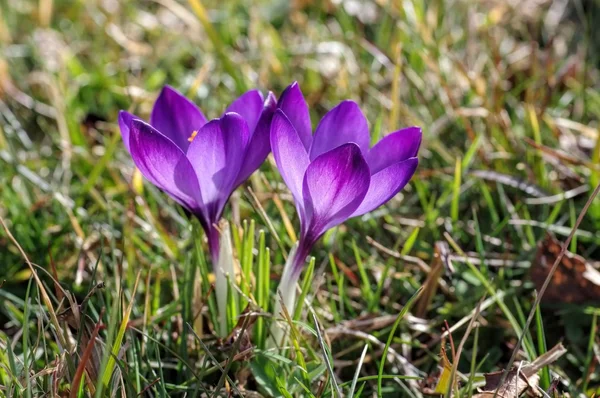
87, 354
431, 283
245, 321
484, 305
410, 259
505, 94
357, 372
58, 290
38, 281
558, 197
461, 345
511, 181
336, 387
407, 368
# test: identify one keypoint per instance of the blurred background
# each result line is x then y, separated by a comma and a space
506, 93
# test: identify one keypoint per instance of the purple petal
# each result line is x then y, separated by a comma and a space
294, 106
249, 106
216, 153
290, 154
125, 119
344, 123
394, 148
259, 145
386, 184
164, 164
334, 186
176, 117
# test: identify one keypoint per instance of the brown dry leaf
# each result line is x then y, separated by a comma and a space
514, 385
522, 378
242, 330
441, 263
575, 280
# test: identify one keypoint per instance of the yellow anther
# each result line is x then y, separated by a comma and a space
194, 133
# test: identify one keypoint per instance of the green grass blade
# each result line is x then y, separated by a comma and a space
456, 190
403, 312
306, 282
262, 290
116, 347
590, 351
545, 379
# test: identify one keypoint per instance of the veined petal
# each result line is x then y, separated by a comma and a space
164, 164
386, 184
249, 106
290, 154
125, 119
293, 104
216, 154
394, 148
344, 123
260, 142
334, 186
176, 117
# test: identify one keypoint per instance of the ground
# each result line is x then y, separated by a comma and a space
106, 280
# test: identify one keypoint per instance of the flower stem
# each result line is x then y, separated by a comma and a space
213, 236
287, 286
219, 242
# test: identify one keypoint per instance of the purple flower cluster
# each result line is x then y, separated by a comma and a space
199, 163
333, 174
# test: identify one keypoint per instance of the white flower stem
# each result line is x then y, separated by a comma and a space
286, 295
224, 271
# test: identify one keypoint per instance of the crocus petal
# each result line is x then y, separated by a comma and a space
394, 148
164, 164
334, 186
260, 143
344, 123
249, 106
290, 154
176, 117
386, 184
293, 104
216, 153
125, 119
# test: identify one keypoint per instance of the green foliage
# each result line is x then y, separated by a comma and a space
508, 101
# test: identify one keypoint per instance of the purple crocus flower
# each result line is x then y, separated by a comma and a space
199, 163
334, 175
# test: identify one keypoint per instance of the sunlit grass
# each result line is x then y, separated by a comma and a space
508, 102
